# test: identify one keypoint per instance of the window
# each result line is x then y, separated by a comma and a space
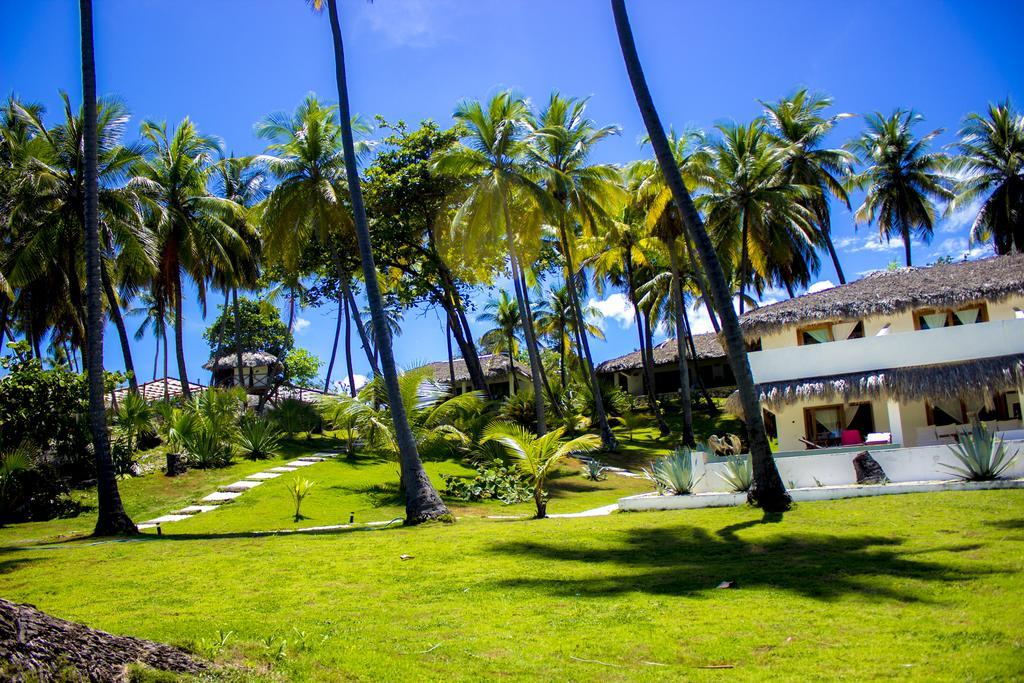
827, 332
931, 319
825, 425
994, 407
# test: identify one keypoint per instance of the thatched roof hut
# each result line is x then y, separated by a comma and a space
708, 347
494, 365
898, 291
250, 359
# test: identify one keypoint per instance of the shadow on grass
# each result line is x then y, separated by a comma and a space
687, 560
378, 495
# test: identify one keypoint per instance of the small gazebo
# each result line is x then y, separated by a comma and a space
258, 370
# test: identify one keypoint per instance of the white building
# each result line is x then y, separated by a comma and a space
501, 381
913, 354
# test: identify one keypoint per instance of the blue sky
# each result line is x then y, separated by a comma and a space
228, 64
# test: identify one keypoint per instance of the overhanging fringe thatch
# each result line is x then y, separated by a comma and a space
888, 293
708, 347
250, 359
946, 381
494, 365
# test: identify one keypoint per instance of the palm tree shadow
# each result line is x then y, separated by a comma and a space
688, 560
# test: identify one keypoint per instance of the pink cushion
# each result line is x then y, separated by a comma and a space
851, 437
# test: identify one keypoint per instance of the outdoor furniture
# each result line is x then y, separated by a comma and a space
850, 437
878, 439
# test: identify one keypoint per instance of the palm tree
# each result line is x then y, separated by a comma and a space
582, 194
195, 229
111, 518
421, 500
901, 177
156, 317
768, 490
797, 124
503, 313
754, 213
991, 166
493, 156
393, 314
557, 321
539, 456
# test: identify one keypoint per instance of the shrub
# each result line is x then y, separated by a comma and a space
518, 408
257, 438
594, 470
134, 421
204, 449
739, 474
294, 416
630, 422
30, 489
983, 456
673, 473
493, 480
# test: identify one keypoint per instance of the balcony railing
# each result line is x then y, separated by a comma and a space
906, 349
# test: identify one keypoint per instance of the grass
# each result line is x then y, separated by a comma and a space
915, 586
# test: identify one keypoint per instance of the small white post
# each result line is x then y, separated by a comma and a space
895, 422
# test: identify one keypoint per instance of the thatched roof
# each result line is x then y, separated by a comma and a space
250, 359
887, 293
494, 365
708, 347
154, 390
980, 376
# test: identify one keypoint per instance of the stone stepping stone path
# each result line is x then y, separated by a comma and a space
229, 492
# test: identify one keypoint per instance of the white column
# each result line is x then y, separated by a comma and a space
895, 422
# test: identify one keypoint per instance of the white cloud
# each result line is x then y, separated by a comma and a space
300, 325
340, 386
820, 286
411, 23
959, 248
961, 221
617, 307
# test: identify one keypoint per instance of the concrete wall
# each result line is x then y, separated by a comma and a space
836, 468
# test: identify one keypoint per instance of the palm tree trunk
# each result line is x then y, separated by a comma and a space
156, 357
179, 342
353, 309
702, 286
645, 363
238, 336
291, 310
422, 503
220, 336
683, 365
768, 490
524, 315
827, 234
348, 352
561, 357
906, 247
464, 338
337, 335
4, 307
696, 361
451, 359
744, 264
122, 332
167, 393
608, 441
112, 519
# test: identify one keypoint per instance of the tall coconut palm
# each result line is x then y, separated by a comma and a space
767, 490
797, 124
503, 314
493, 155
422, 503
902, 179
755, 214
990, 169
111, 518
156, 318
582, 194
557, 320
194, 228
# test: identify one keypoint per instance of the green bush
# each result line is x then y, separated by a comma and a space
983, 457
518, 408
204, 449
257, 438
31, 490
493, 480
294, 416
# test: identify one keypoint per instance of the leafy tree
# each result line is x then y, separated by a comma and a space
768, 490
902, 179
503, 313
259, 328
302, 367
991, 169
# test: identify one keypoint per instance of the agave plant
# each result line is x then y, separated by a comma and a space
739, 474
205, 449
673, 474
257, 438
594, 470
984, 456
538, 456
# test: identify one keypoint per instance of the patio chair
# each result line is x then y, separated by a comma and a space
850, 437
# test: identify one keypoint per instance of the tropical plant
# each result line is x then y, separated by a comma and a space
13, 462
738, 474
134, 419
982, 455
492, 158
673, 474
630, 422
901, 178
205, 449
594, 469
539, 456
493, 480
257, 438
293, 416
990, 169
422, 503
337, 414
299, 490
768, 491
503, 313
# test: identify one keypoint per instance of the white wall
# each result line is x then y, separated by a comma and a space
836, 469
